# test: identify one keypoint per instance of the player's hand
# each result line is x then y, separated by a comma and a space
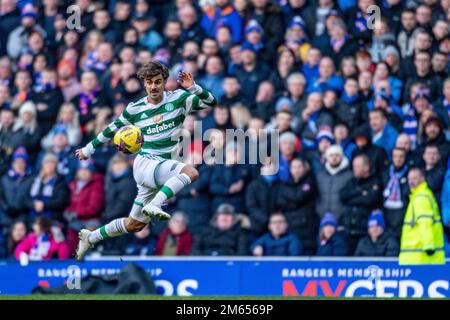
80, 155
185, 79
429, 252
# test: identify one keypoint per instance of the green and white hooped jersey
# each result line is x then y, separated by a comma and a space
160, 124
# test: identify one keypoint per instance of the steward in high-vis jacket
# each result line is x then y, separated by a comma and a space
422, 239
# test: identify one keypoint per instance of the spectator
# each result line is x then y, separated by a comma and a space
222, 14
422, 239
228, 180
341, 133
86, 198
49, 192
312, 118
10, 140
287, 152
195, 200
90, 98
27, 127
44, 243
67, 119
223, 237
383, 134
360, 196
47, 100
142, 243
67, 80
350, 108
376, 155
16, 235
260, 198
396, 191
377, 243
434, 171
434, 135
15, 187
64, 152
175, 240
295, 199
251, 72
120, 189
331, 243
278, 241
331, 181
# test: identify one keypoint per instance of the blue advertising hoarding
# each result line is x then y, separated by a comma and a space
248, 276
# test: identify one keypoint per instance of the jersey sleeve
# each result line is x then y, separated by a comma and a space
199, 98
106, 134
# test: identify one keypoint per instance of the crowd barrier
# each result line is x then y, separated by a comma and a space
185, 276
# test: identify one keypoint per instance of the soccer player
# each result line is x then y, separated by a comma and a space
160, 116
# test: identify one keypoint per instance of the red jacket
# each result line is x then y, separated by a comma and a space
184, 243
42, 248
88, 203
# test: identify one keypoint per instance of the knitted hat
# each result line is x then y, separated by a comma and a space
390, 50
376, 219
59, 130
28, 11
253, 26
297, 21
20, 153
325, 133
328, 220
285, 103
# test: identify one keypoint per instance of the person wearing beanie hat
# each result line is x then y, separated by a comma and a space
324, 139
378, 157
377, 243
49, 192
284, 103
18, 38
87, 194
15, 187
331, 243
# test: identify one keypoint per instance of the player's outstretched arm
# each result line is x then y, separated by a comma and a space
201, 98
104, 136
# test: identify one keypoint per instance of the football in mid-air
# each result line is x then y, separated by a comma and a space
129, 139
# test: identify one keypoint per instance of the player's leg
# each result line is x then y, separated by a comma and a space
170, 176
135, 222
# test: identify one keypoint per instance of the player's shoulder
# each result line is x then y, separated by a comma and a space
175, 94
138, 103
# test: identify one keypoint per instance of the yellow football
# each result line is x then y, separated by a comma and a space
129, 139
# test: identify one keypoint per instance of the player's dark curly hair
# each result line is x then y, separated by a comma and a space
152, 69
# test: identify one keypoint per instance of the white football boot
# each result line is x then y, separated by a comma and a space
153, 211
83, 245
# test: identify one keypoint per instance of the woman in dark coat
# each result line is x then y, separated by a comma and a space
295, 198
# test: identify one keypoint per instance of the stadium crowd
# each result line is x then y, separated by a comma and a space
357, 102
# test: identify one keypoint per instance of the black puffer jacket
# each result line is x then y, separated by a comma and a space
385, 246
260, 203
377, 156
197, 207
215, 242
296, 201
119, 196
360, 197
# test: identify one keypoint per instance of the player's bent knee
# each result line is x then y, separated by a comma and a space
133, 226
191, 172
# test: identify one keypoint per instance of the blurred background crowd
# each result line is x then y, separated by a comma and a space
358, 100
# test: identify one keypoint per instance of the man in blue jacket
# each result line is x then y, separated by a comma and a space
277, 242
383, 134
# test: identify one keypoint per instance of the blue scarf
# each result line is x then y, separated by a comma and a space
45, 195
361, 22
410, 125
392, 192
